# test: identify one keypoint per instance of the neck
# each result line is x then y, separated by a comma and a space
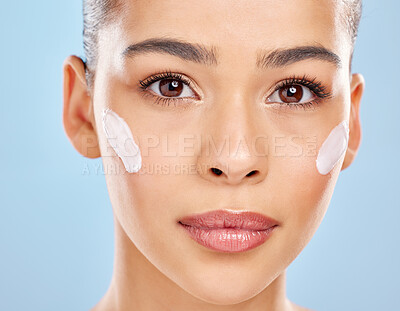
138, 285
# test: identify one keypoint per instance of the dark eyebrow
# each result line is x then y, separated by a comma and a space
202, 54
197, 53
285, 57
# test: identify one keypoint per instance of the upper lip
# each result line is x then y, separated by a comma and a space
220, 219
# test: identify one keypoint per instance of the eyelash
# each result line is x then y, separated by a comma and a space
316, 87
163, 101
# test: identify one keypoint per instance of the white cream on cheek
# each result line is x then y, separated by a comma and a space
119, 136
333, 148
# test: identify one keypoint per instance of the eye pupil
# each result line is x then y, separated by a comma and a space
170, 87
291, 94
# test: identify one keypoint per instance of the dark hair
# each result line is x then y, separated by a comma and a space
96, 15
99, 13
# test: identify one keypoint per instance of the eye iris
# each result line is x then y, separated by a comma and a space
291, 94
170, 87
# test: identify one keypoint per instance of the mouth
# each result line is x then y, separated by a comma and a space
229, 231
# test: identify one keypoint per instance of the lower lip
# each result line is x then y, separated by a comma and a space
228, 239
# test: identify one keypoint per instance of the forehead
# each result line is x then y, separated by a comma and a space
235, 28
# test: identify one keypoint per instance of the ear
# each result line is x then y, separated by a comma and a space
357, 86
78, 115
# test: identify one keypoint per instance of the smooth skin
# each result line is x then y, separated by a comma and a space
157, 266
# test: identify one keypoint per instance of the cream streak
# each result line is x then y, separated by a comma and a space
120, 137
333, 148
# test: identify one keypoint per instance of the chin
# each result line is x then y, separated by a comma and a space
224, 295
226, 288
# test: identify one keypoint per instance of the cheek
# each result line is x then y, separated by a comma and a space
304, 195
149, 198
310, 195
303, 170
139, 176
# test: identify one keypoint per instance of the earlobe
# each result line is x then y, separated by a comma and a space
78, 118
357, 86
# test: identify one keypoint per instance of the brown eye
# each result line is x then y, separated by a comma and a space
170, 87
291, 94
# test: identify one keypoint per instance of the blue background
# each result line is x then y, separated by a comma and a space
56, 226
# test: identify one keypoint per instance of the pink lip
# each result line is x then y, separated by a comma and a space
229, 231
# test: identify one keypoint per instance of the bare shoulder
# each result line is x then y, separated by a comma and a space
299, 308
296, 307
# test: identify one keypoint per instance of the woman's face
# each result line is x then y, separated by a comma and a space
236, 115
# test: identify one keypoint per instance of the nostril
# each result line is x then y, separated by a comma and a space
216, 171
251, 173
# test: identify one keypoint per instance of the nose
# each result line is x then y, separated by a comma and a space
233, 150
234, 170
